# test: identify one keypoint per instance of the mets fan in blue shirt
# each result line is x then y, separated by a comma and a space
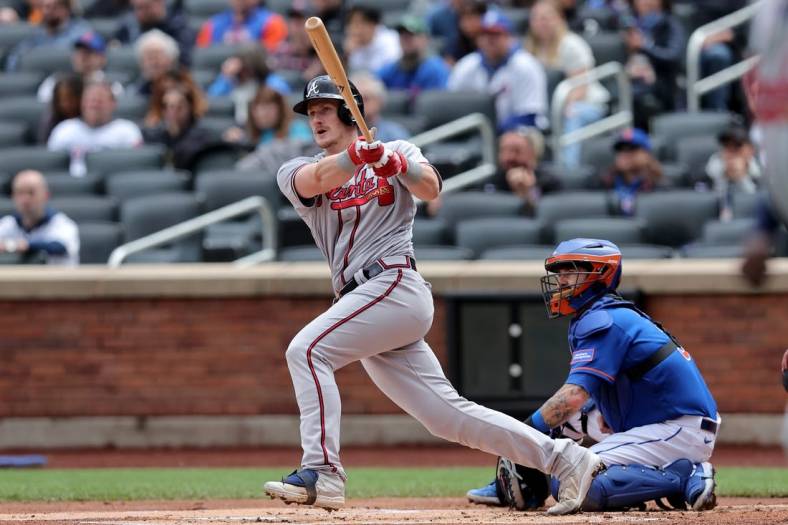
631, 388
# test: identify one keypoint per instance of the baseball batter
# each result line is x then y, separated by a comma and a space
655, 421
357, 199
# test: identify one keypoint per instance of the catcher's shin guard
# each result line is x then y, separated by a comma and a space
520, 487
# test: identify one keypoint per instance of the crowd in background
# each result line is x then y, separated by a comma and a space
459, 45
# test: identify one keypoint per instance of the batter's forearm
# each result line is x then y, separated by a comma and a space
422, 180
325, 175
559, 408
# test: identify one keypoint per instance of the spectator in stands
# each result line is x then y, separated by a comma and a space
87, 60
182, 105
157, 54
656, 42
174, 78
507, 72
634, 170
95, 129
270, 119
65, 104
36, 232
333, 13
107, 9
20, 10
368, 44
374, 94
58, 28
417, 69
733, 169
296, 53
469, 24
147, 15
551, 42
241, 75
245, 22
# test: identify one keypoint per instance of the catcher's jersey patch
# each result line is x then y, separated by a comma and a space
584, 355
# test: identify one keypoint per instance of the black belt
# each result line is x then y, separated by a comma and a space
642, 368
709, 425
373, 270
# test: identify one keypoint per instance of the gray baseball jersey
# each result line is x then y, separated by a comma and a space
382, 324
367, 218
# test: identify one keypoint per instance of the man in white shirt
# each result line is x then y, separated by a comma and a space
506, 71
35, 229
95, 130
369, 45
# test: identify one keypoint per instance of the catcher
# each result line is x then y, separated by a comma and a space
631, 388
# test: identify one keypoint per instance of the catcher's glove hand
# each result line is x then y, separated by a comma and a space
520, 487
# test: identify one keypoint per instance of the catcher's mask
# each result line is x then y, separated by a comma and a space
579, 272
323, 88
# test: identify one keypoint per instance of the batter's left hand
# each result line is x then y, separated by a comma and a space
390, 164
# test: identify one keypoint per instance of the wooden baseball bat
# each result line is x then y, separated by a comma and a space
328, 57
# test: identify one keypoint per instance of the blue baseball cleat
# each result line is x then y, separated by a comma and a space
700, 487
486, 495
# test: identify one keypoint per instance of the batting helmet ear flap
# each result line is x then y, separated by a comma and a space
323, 88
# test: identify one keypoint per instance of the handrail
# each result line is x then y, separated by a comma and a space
620, 119
696, 86
186, 228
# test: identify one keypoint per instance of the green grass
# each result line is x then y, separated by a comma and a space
158, 484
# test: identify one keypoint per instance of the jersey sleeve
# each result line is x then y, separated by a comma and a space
285, 178
599, 350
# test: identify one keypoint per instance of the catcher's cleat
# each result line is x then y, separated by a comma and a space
700, 487
486, 495
309, 487
575, 483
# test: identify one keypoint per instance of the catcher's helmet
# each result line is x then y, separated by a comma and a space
322, 87
599, 261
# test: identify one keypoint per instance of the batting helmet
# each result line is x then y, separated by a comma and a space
323, 88
595, 269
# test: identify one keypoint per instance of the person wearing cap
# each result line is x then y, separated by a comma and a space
373, 91
734, 168
369, 45
506, 71
296, 53
634, 170
246, 21
416, 70
154, 14
87, 60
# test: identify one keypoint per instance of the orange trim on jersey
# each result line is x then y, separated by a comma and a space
595, 371
274, 33
204, 36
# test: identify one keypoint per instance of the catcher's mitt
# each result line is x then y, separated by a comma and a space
520, 487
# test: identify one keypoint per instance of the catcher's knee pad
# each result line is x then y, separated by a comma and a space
624, 486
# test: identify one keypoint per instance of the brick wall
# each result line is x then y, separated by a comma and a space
226, 356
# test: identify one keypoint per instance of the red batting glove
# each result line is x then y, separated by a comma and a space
363, 152
390, 164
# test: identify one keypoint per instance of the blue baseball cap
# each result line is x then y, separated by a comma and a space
495, 21
632, 138
91, 41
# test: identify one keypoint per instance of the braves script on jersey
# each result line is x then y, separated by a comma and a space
367, 218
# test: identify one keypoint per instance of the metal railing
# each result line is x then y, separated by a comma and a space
697, 87
620, 119
186, 228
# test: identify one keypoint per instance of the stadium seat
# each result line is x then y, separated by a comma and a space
704, 251
559, 206
607, 46
675, 175
525, 252
217, 125
579, 178
26, 109
13, 133
645, 251
554, 77
123, 59
97, 240
87, 208
694, 153
293, 231
106, 27
142, 216
302, 254
6, 206
467, 205
415, 124
46, 60
481, 234
106, 162
221, 107
440, 107
39, 158
598, 152
451, 158
727, 232
204, 8
203, 77
442, 253
132, 107
5, 183
397, 103
129, 184
221, 157
673, 128
745, 204
19, 83
675, 218
63, 183
294, 78
603, 18
212, 57
12, 34
430, 232
619, 230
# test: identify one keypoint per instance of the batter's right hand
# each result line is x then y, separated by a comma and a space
363, 152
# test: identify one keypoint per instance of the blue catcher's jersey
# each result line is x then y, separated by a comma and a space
608, 339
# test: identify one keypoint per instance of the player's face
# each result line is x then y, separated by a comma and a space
571, 277
329, 132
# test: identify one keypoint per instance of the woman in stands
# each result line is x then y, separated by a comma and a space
66, 99
550, 41
270, 119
